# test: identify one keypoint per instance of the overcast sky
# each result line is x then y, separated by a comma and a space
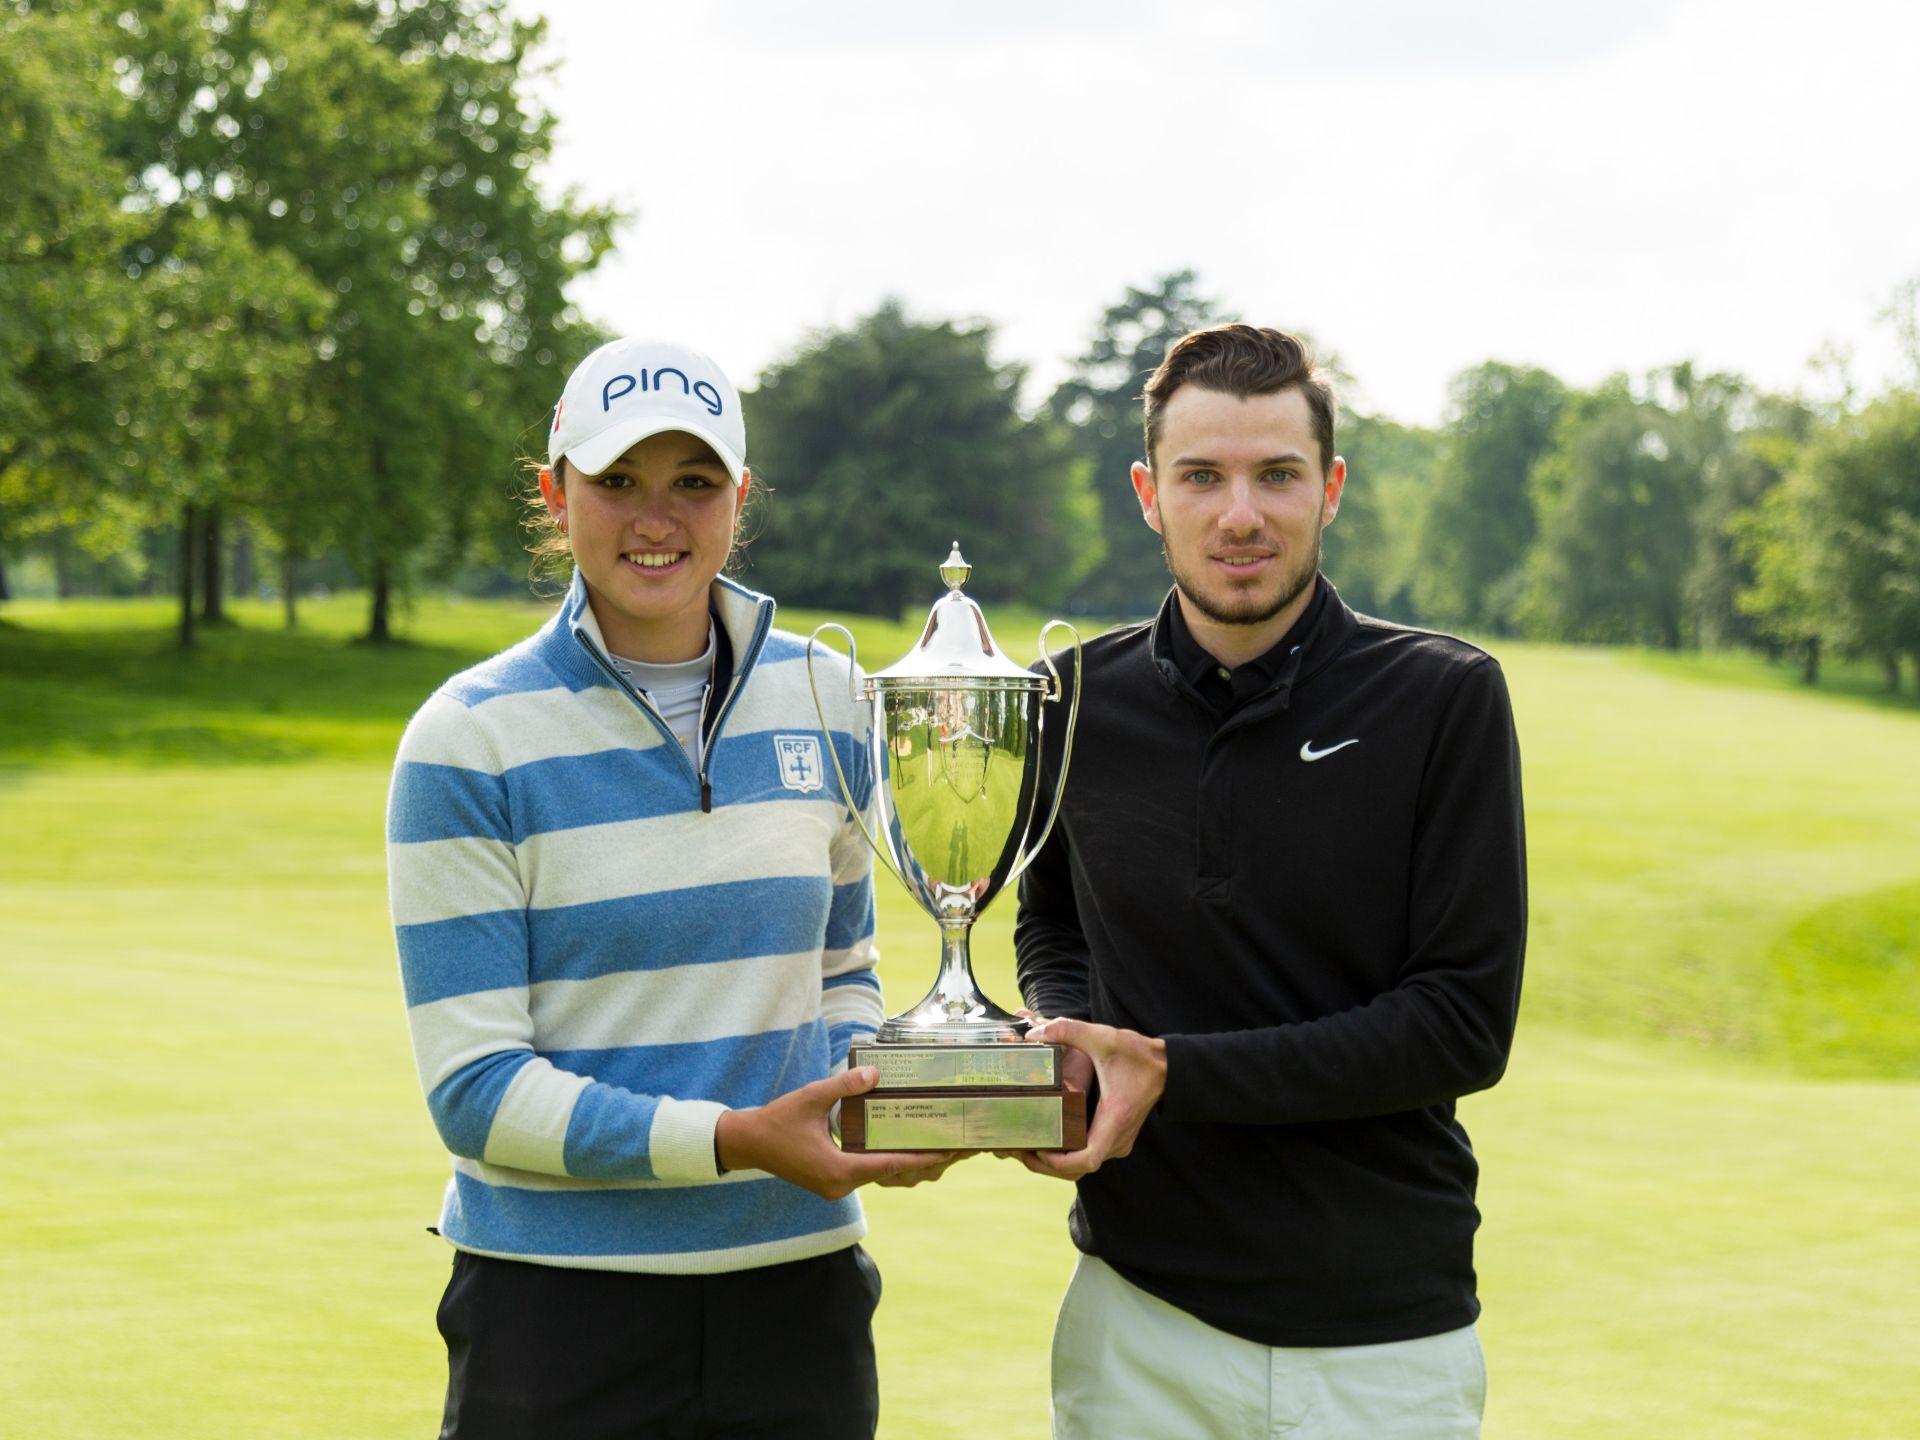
1421, 184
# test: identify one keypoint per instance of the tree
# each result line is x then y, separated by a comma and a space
1779, 598
66, 317
1855, 504
1615, 501
385, 147
884, 443
1480, 521
1371, 549
1902, 314
1743, 452
228, 336
1101, 401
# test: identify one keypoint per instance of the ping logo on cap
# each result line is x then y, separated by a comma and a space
701, 389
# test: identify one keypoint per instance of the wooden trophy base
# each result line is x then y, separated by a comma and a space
964, 1097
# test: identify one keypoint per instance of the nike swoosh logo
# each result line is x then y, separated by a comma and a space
1308, 753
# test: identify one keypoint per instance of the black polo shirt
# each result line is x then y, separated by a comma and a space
1318, 900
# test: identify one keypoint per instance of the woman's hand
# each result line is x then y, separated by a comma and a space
789, 1137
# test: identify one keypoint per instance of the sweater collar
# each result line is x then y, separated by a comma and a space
745, 615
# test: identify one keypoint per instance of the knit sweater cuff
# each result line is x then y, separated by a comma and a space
1187, 1091
681, 1141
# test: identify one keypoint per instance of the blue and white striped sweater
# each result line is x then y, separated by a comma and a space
594, 969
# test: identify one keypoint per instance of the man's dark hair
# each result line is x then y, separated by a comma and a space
1242, 360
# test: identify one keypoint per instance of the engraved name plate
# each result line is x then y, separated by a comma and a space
961, 1067
963, 1122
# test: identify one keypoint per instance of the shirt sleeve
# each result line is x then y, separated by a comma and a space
459, 907
1446, 1027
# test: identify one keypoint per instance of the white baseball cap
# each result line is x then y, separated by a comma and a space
630, 389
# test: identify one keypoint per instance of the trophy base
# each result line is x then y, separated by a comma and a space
948, 1095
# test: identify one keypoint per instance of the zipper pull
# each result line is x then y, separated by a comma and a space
706, 796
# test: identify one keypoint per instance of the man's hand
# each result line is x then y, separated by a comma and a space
1133, 1074
1076, 1070
789, 1137
1075, 1067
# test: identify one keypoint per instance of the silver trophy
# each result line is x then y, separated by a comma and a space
954, 747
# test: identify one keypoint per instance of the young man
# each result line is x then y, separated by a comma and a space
1280, 923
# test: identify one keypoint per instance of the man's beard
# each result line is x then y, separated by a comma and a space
1247, 609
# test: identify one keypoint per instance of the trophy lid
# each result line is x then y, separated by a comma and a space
956, 647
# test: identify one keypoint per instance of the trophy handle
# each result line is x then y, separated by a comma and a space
1066, 750
846, 790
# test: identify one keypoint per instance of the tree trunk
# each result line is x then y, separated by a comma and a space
156, 546
379, 631
887, 596
290, 590
242, 568
5, 593
213, 585
63, 580
1810, 662
1892, 663
189, 525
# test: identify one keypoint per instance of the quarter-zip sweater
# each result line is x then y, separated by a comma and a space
603, 947
1319, 901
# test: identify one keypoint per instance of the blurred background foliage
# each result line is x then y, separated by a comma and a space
283, 310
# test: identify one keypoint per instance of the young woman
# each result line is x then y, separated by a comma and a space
635, 926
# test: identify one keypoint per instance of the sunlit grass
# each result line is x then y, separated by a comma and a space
219, 1166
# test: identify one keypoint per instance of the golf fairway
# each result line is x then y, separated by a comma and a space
1701, 1175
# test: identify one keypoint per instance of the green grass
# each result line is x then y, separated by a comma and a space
1859, 680
104, 681
1679, 829
1848, 976
1682, 826
1702, 1175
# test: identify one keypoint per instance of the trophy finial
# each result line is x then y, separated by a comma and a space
955, 569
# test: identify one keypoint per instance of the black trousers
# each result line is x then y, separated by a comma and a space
537, 1352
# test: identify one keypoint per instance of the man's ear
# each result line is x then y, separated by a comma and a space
1336, 485
1148, 494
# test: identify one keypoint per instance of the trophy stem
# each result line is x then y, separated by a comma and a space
953, 1011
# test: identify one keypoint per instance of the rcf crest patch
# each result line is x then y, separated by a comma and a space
801, 767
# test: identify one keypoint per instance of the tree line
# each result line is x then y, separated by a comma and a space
1673, 509
281, 268
282, 301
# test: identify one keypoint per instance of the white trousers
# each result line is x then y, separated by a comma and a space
1129, 1366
